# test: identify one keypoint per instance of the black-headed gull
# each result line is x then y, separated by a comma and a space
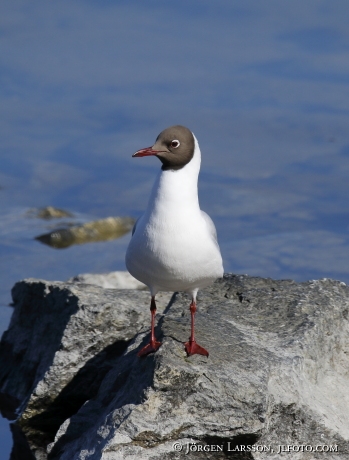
174, 244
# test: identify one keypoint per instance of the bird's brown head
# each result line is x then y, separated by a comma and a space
174, 147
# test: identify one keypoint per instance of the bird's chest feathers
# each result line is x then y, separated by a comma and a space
173, 216
169, 232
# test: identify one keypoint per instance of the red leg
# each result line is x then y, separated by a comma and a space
191, 347
153, 345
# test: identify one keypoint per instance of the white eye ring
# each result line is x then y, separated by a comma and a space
175, 144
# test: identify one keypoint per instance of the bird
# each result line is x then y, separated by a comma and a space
174, 243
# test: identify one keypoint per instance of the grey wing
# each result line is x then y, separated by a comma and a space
135, 225
210, 225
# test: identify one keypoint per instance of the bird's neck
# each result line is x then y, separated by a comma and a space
174, 190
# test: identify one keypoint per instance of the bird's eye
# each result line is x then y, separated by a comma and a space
175, 144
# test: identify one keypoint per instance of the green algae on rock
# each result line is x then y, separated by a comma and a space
97, 230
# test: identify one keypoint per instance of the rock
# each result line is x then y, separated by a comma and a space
21, 449
96, 230
49, 212
112, 280
277, 373
61, 342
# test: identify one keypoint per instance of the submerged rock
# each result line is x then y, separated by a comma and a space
97, 230
277, 374
49, 212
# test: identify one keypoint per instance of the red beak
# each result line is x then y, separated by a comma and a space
145, 152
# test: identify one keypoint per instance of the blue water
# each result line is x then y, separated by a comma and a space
263, 85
